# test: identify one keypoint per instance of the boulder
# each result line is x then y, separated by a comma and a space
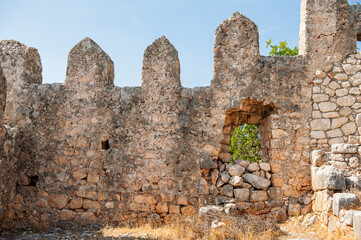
258, 196
227, 190
265, 167
225, 177
236, 181
211, 210
253, 167
236, 170
256, 181
206, 162
242, 194
327, 177
230, 209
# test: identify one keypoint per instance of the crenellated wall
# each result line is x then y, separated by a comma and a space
87, 152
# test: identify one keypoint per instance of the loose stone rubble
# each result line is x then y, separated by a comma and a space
86, 151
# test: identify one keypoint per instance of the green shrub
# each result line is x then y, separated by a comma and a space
282, 49
245, 144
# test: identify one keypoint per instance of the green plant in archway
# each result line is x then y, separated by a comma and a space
245, 143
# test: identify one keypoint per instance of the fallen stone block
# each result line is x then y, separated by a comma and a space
230, 209
211, 210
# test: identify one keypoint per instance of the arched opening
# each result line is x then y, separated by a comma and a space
251, 112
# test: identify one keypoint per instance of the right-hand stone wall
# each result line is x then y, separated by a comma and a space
336, 115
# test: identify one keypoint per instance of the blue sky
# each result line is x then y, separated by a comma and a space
124, 28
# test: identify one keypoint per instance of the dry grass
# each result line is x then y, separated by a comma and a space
195, 227
316, 231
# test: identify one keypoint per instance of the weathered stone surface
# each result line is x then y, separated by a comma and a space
236, 170
188, 210
253, 167
344, 148
225, 177
236, 181
206, 162
348, 218
320, 97
353, 182
341, 77
344, 201
357, 224
334, 133
338, 122
162, 207
242, 194
256, 181
358, 120
227, 190
211, 210
327, 177
89, 204
351, 69
230, 209
317, 158
2, 95
137, 151
349, 128
76, 203
317, 134
258, 196
275, 193
89, 64
174, 209
182, 200
322, 201
356, 79
243, 163
320, 124
265, 166
346, 101
58, 200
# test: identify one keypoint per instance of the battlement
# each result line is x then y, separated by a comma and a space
87, 151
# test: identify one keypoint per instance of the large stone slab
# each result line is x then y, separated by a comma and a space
327, 177
344, 201
344, 148
357, 224
256, 181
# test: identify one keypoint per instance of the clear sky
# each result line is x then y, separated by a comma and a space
124, 28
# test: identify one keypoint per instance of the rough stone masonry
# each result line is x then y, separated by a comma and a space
86, 151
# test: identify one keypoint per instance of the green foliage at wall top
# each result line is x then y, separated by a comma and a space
282, 49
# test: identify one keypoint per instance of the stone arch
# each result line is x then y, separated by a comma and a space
251, 112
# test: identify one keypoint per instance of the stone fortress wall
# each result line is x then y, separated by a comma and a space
86, 151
